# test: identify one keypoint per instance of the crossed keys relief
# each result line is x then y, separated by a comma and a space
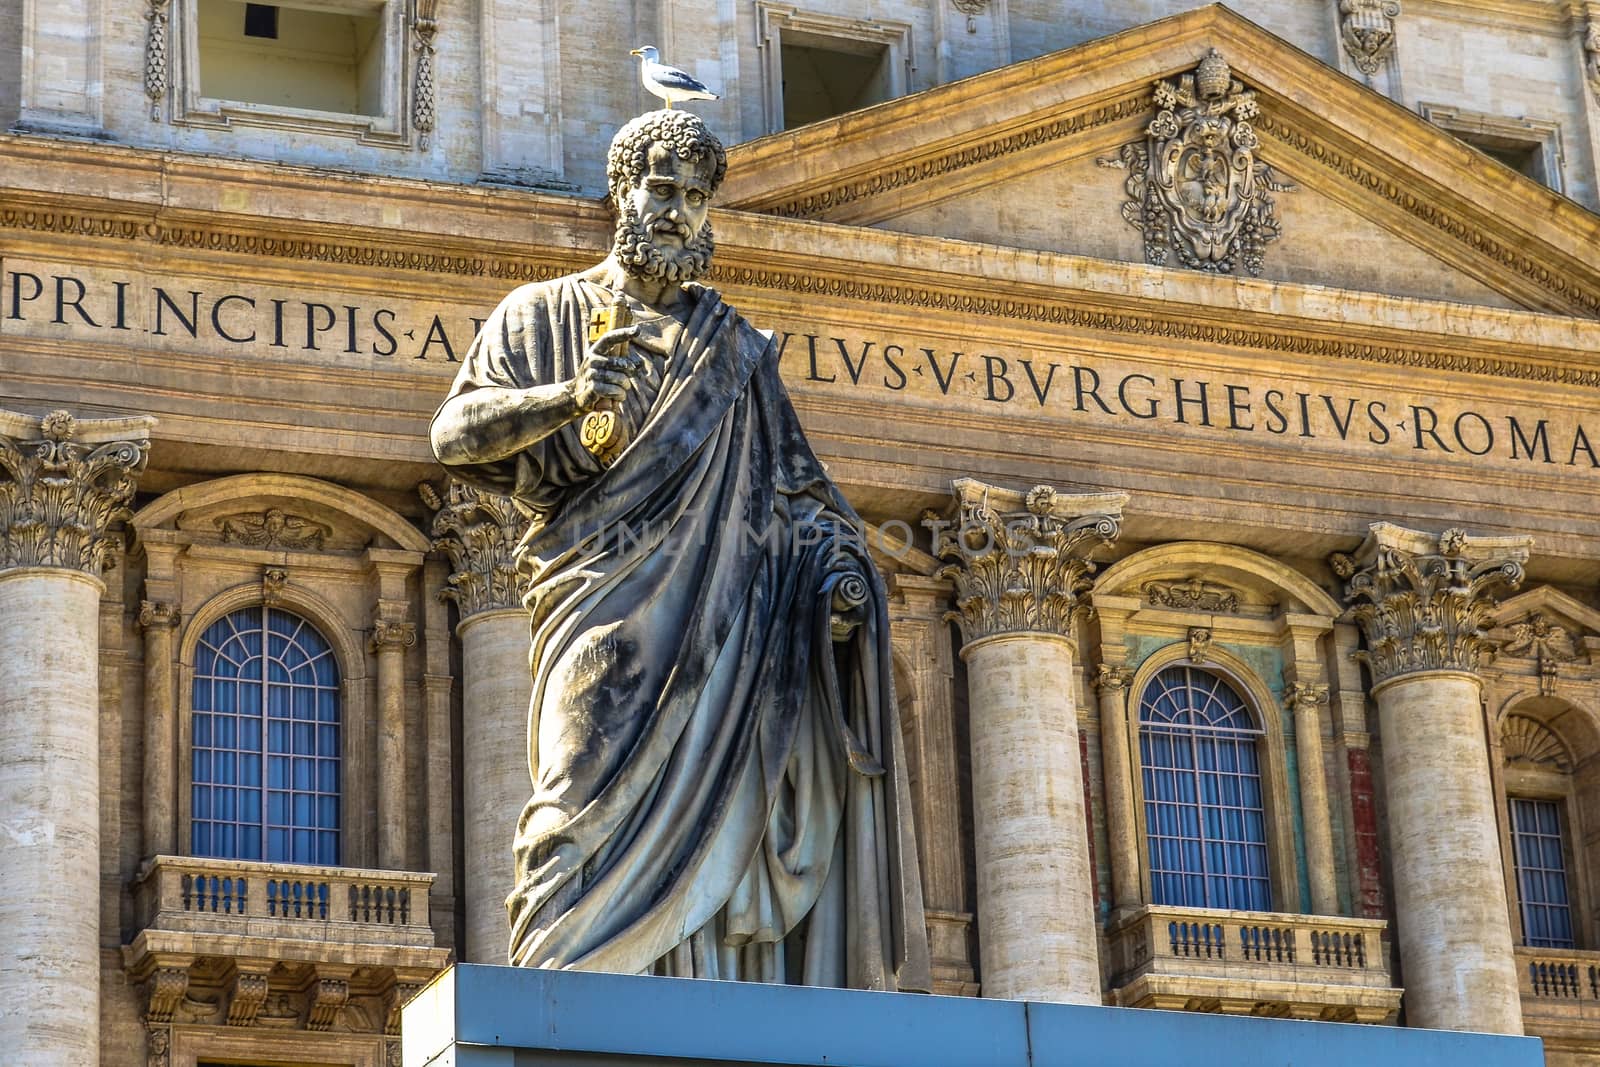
1195, 187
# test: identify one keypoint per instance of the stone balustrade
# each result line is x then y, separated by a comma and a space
221, 945
1560, 993
1255, 963
330, 904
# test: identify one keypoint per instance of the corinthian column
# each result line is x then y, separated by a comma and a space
389, 641
1021, 563
1423, 603
478, 531
63, 485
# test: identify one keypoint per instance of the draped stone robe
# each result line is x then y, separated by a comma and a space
719, 789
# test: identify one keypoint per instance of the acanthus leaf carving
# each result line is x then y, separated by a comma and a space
157, 615
1021, 561
1424, 603
1196, 188
272, 528
1192, 594
64, 486
1109, 678
392, 634
1367, 28
479, 531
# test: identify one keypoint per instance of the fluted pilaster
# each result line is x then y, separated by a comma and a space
1423, 602
1019, 562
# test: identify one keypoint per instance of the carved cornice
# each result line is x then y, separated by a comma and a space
1021, 560
1367, 29
387, 635
1423, 601
910, 170
64, 485
1563, 293
1192, 594
479, 531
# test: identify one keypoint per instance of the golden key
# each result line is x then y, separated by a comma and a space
601, 432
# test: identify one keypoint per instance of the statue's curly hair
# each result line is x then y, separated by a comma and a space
684, 132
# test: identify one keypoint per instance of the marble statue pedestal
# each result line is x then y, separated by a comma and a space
478, 1016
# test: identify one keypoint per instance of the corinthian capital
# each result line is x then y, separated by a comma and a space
64, 483
1424, 600
479, 532
388, 633
1019, 561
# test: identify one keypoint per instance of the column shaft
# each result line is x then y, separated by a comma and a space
1314, 805
160, 714
49, 789
1117, 763
495, 763
390, 641
1036, 911
1453, 927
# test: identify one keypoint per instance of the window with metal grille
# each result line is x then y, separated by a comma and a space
266, 741
1204, 821
1538, 850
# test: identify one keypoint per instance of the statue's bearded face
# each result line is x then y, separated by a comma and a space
662, 229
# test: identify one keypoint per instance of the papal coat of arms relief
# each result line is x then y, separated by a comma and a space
1196, 188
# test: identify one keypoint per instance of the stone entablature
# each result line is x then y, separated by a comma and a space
1423, 600
1022, 559
1253, 963
66, 483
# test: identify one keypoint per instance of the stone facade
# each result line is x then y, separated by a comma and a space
1264, 333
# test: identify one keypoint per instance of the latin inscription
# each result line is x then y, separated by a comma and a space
200, 315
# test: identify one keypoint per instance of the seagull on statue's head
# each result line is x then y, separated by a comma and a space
669, 83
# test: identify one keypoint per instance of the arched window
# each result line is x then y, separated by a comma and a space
1204, 820
265, 739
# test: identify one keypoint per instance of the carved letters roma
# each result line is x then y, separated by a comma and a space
1195, 186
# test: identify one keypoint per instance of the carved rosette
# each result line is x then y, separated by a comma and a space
64, 485
1367, 29
479, 531
424, 28
1021, 561
155, 56
1423, 602
1196, 188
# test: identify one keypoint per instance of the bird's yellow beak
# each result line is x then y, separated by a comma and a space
637, 52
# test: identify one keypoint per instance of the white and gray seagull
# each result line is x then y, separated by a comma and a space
669, 83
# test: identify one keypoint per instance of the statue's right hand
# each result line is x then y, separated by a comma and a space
602, 378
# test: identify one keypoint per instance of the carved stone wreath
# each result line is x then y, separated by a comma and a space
1195, 187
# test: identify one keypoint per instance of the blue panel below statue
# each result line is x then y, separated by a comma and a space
475, 1016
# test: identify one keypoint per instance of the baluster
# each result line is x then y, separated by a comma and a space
405, 907
244, 895
322, 900
1360, 948
388, 905
186, 891
211, 881
1244, 941
354, 896
272, 898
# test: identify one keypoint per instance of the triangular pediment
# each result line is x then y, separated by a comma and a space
1364, 194
1545, 609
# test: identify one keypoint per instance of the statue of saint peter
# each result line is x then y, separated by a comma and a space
718, 777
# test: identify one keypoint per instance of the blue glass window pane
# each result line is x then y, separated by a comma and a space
1538, 849
1203, 811
256, 666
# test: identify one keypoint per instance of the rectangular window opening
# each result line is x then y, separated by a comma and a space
261, 20
317, 57
827, 76
1538, 852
